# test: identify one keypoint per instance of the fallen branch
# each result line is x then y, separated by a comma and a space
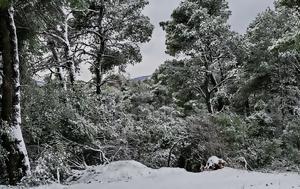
171, 150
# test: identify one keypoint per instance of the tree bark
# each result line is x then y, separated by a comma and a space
98, 80
67, 46
98, 68
59, 72
70, 62
17, 161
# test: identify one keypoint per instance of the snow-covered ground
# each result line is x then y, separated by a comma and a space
133, 175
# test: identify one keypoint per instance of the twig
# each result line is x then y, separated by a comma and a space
171, 149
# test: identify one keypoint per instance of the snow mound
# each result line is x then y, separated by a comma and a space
134, 175
113, 172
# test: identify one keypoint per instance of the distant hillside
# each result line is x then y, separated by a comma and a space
142, 78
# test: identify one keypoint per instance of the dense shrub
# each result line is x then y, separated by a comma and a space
72, 129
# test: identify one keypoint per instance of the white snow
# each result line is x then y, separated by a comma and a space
133, 175
213, 161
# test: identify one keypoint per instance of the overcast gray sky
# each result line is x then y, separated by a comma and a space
243, 11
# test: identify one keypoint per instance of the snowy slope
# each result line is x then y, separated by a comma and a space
133, 175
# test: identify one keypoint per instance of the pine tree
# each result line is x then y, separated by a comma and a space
199, 30
111, 32
272, 67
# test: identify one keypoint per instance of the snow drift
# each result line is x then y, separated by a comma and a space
134, 175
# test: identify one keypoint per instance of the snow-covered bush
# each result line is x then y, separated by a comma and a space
50, 167
56, 131
151, 138
259, 139
130, 121
202, 139
291, 141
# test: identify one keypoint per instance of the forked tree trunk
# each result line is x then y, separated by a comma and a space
17, 161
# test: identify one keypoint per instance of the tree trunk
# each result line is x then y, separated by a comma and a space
68, 54
98, 70
208, 104
98, 79
70, 62
17, 160
59, 72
